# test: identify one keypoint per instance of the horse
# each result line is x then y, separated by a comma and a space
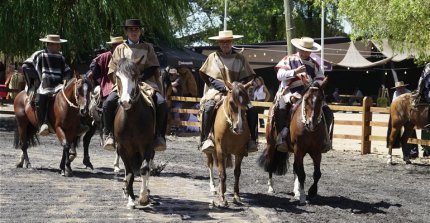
231, 135
403, 114
68, 106
133, 130
307, 135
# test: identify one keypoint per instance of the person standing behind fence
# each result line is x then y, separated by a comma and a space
260, 94
16, 83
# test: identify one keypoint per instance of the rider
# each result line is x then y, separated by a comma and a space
423, 89
99, 67
51, 68
294, 72
143, 54
224, 62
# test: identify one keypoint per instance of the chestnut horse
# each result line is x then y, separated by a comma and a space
69, 105
231, 135
307, 135
133, 130
403, 114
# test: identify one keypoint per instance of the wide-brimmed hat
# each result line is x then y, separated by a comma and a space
399, 84
225, 35
173, 71
306, 44
115, 40
132, 23
52, 38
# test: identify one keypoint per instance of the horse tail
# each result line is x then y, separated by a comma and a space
31, 139
229, 161
274, 161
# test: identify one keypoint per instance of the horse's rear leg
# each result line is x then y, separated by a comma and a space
144, 191
313, 190
210, 163
392, 137
128, 190
23, 159
270, 184
222, 179
237, 172
408, 130
300, 177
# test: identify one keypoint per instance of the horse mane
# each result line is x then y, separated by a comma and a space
239, 89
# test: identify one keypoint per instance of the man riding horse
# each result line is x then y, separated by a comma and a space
295, 72
45, 71
143, 55
225, 64
422, 93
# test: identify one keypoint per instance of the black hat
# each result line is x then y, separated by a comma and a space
132, 22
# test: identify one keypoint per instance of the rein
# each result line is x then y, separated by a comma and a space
76, 97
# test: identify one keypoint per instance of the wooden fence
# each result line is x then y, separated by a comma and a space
366, 123
4, 101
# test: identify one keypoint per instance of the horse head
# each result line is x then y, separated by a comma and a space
83, 91
127, 81
236, 103
312, 103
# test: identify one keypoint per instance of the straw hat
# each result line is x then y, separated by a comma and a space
225, 35
173, 71
51, 38
399, 84
306, 44
115, 40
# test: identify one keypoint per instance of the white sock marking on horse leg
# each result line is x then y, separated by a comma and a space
116, 168
211, 180
130, 203
270, 183
296, 187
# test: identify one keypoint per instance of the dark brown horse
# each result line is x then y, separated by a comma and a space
69, 105
402, 114
134, 130
307, 135
231, 135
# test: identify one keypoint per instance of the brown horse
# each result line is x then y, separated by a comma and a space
134, 130
307, 134
69, 105
402, 114
231, 135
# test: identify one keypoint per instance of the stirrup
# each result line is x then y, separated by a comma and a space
208, 146
44, 130
109, 143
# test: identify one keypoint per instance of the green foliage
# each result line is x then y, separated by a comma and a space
264, 20
405, 23
86, 24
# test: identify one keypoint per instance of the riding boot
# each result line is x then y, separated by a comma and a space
160, 126
252, 118
109, 108
41, 107
282, 122
428, 119
328, 118
207, 145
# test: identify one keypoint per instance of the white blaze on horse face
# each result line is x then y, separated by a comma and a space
127, 88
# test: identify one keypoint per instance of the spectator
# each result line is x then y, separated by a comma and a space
357, 97
335, 95
260, 93
400, 87
189, 85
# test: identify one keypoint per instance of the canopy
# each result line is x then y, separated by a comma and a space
354, 59
387, 51
177, 57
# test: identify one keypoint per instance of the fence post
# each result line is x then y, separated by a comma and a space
366, 129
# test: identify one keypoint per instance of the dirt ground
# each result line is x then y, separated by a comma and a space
353, 187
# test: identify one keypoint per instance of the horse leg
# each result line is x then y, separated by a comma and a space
144, 191
23, 159
128, 190
405, 146
299, 184
313, 190
237, 172
65, 161
86, 143
392, 137
210, 163
270, 184
116, 168
222, 178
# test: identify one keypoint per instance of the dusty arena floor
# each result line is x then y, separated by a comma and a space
353, 187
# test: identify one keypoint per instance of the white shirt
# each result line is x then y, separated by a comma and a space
259, 94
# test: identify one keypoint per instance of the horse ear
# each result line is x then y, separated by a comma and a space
228, 85
324, 82
249, 84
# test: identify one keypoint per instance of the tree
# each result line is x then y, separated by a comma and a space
263, 20
86, 24
406, 24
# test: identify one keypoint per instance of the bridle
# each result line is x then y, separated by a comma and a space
75, 92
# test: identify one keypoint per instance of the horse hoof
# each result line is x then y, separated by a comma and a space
28, 166
131, 205
408, 162
271, 191
72, 157
116, 169
19, 165
236, 200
